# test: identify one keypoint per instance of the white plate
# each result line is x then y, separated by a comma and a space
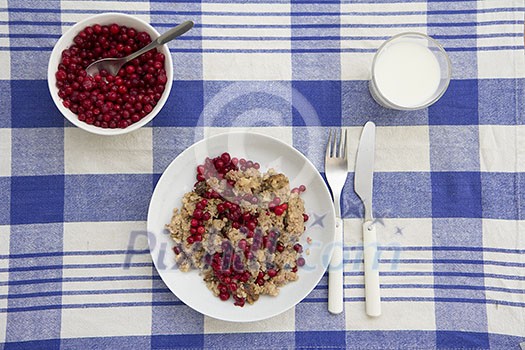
179, 178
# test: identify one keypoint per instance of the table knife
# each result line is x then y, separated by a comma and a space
363, 185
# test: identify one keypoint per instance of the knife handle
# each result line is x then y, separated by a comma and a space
335, 272
372, 292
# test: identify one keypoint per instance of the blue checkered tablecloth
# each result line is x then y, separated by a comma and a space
75, 271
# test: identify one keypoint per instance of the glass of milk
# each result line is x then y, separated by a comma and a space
410, 71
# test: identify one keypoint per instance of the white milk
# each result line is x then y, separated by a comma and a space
407, 74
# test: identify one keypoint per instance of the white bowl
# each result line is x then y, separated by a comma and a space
67, 39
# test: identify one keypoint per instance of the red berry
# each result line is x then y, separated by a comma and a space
278, 210
114, 29
197, 214
242, 244
251, 225
61, 75
225, 157
239, 302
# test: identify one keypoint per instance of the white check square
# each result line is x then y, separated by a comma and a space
247, 66
520, 148
5, 58
95, 236
5, 151
284, 322
106, 322
393, 316
75, 11
284, 134
514, 59
402, 148
4, 247
497, 147
86, 153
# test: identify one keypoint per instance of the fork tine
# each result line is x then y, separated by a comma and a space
343, 144
335, 144
340, 145
329, 144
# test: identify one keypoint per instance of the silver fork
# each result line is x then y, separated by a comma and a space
336, 170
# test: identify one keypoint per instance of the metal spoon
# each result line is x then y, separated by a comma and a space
113, 65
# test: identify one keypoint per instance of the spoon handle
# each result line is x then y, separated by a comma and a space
163, 39
174, 32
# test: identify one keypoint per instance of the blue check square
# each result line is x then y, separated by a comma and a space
358, 107
456, 194
318, 66
458, 106
5, 203
168, 143
107, 197
165, 341
247, 104
28, 65
396, 195
499, 198
521, 195
498, 103
5, 104
454, 147
37, 199
184, 105
461, 340
402, 195
37, 151
316, 103
32, 106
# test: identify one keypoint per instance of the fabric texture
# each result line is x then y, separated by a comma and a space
449, 195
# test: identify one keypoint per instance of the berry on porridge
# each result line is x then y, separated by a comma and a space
104, 100
241, 228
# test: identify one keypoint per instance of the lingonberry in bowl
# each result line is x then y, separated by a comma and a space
106, 104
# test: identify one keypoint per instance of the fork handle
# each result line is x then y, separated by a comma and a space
372, 292
335, 271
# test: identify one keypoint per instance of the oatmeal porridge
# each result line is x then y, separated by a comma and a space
240, 228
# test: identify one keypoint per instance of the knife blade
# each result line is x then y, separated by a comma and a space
363, 186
